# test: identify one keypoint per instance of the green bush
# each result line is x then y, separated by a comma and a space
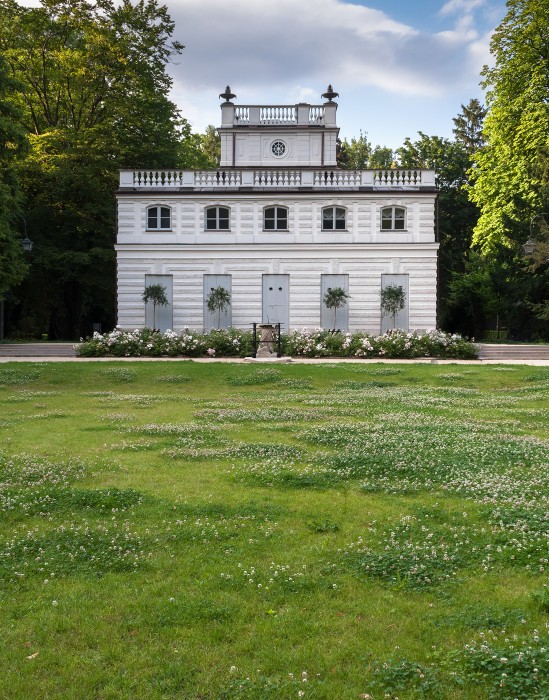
232, 342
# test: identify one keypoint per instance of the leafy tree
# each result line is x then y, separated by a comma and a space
198, 150
382, 157
496, 292
468, 127
218, 300
93, 98
510, 177
510, 172
157, 294
13, 145
342, 156
211, 146
538, 267
456, 215
470, 295
393, 299
335, 298
358, 154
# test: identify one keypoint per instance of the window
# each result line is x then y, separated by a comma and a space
159, 217
217, 219
278, 149
393, 219
275, 219
333, 218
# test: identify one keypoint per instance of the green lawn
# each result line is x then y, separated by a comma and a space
213, 531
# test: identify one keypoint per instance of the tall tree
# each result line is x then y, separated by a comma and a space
211, 146
468, 126
359, 154
93, 98
456, 215
13, 144
509, 174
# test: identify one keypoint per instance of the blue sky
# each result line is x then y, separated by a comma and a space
400, 66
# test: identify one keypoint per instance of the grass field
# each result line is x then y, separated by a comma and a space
215, 531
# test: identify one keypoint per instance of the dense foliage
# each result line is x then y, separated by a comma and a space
90, 89
511, 172
13, 145
510, 177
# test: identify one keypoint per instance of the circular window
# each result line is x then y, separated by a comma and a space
278, 148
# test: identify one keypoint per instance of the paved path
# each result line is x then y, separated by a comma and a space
64, 352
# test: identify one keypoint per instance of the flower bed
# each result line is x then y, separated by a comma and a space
393, 344
304, 343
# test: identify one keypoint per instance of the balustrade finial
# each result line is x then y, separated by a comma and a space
330, 94
227, 95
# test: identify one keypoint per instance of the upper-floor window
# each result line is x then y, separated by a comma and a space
278, 148
275, 219
217, 218
333, 218
159, 217
393, 219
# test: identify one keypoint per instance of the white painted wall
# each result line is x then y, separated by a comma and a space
246, 218
364, 265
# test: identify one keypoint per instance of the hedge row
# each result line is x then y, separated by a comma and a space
304, 343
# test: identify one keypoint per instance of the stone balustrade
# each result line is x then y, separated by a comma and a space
272, 178
275, 115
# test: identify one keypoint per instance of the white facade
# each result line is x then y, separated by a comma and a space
276, 224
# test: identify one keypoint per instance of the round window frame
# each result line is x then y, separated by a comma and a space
277, 143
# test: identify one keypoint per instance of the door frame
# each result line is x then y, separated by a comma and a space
280, 312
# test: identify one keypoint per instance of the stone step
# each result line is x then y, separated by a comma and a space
513, 352
486, 351
37, 350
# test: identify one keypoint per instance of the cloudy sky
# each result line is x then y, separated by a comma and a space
400, 66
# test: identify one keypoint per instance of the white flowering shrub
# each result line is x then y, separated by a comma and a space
232, 342
393, 344
146, 343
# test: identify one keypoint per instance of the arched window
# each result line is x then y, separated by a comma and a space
217, 218
159, 217
393, 219
333, 219
275, 219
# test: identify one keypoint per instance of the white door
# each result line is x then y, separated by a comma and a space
276, 300
332, 318
219, 318
401, 318
162, 319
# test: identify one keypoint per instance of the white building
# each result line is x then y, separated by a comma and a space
277, 225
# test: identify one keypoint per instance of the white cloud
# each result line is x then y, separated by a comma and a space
461, 6
260, 46
393, 76
479, 51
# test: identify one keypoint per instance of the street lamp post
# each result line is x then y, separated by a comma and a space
26, 242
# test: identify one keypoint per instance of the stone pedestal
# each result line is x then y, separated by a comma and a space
266, 340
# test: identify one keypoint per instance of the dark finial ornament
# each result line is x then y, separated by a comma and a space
330, 94
227, 95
